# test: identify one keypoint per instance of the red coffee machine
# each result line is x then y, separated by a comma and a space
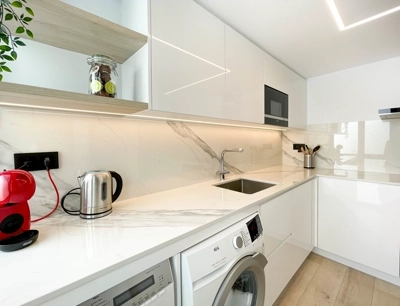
16, 188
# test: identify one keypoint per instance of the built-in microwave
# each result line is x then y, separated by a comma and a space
276, 104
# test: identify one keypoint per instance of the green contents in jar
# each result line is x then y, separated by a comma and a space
102, 76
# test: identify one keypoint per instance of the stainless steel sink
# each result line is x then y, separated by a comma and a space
245, 186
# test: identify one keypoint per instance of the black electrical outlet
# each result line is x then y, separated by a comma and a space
35, 161
297, 146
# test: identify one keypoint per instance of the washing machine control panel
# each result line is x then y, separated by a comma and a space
252, 231
139, 290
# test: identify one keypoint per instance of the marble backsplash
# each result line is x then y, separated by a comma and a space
151, 156
372, 146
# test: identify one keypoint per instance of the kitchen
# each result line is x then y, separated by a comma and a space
156, 155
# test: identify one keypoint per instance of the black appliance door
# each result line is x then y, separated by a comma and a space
276, 104
245, 283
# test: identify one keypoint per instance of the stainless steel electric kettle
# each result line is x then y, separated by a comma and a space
97, 193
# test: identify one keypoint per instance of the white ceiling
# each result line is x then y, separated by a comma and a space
304, 36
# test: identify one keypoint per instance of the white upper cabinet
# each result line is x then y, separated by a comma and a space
360, 221
202, 67
244, 78
280, 77
188, 59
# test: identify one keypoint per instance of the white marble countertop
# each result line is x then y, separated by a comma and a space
71, 250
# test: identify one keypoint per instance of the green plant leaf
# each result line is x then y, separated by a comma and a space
30, 34
28, 19
8, 16
2, 63
6, 40
5, 68
23, 1
14, 55
16, 4
16, 38
29, 10
20, 30
1, 77
2, 35
5, 48
20, 43
1, 69
8, 58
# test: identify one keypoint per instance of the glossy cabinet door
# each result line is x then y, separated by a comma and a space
244, 78
287, 224
280, 77
360, 221
188, 59
303, 215
277, 219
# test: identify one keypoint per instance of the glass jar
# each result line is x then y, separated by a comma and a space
102, 76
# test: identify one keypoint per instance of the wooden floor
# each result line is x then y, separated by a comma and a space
321, 281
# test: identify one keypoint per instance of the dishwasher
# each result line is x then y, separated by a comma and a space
152, 287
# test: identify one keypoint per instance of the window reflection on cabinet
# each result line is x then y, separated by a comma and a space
188, 60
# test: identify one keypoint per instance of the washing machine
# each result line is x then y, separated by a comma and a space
152, 287
226, 269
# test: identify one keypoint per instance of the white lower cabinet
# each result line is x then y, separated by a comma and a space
287, 223
360, 221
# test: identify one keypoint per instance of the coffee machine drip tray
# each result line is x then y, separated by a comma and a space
19, 241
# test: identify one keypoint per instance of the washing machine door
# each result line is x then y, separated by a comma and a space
245, 283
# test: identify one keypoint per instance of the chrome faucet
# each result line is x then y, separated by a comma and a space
223, 171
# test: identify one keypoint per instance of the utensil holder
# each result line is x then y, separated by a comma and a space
309, 161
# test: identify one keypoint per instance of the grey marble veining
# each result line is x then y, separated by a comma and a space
151, 156
142, 218
192, 140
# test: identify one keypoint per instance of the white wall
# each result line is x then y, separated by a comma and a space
107, 9
50, 67
135, 71
354, 94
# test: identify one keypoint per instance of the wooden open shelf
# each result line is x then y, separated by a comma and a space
43, 98
64, 26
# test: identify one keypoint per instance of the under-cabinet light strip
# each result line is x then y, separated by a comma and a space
139, 117
144, 117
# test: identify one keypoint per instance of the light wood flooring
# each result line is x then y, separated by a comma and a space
321, 281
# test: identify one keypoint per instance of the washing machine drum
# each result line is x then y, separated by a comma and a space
245, 283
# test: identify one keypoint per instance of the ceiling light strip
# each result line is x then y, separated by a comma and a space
336, 14
393, 10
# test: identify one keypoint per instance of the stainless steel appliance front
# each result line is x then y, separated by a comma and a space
141, 289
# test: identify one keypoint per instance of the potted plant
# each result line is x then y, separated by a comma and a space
8, 42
